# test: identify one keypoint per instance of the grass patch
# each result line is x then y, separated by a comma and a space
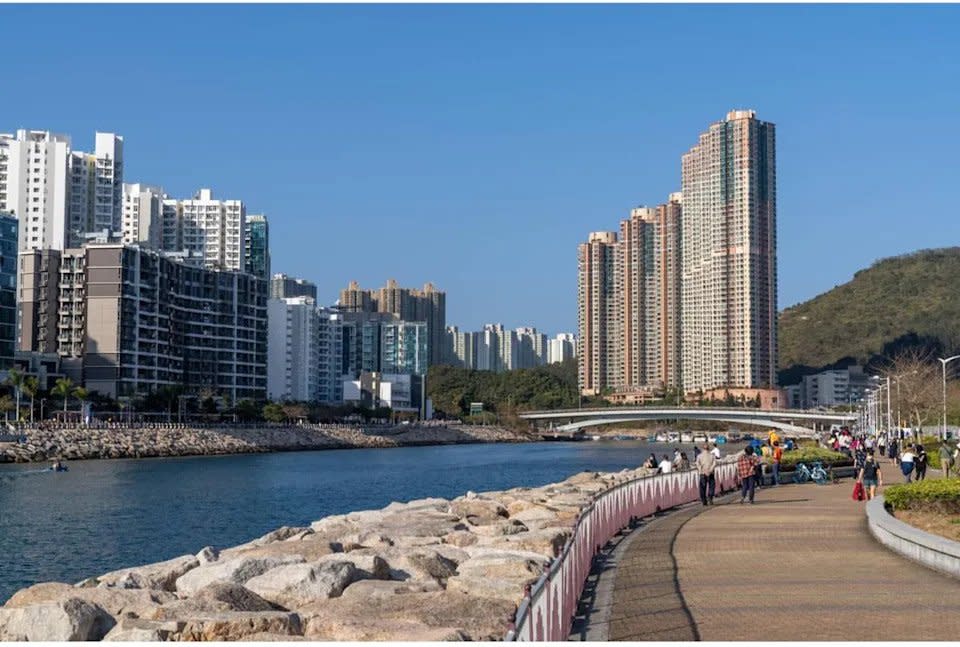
938, 496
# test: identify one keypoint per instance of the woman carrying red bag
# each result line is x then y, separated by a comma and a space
870, 477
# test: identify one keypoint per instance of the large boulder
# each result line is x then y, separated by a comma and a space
369, 566
162, 575
218, 597
478, 512
409, 616
295, 585
547, 541
460, 538
238, 570
420, 563
237, 625
140, 630
500, 528
497, 574
116, 602
418, 523
364, 589
64, 620
282, 534
433, 503
309, 549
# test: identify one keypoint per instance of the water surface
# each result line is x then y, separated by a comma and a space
108, 514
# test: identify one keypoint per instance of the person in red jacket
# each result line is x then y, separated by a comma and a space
746, 465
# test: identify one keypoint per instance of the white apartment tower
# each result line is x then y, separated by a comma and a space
561, 348
58, 194
729, 256
35, 186
96, 189
292, 349
213, 230
143, 215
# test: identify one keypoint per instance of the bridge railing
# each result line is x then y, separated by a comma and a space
746, 411
547, 611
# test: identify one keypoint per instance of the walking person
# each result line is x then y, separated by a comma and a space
946, 459
870, 475
777, 457
706, 466
907, 459
920, 464
666, 466
892, 453
882, 444
746, 465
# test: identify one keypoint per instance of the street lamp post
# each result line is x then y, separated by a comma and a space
943, 363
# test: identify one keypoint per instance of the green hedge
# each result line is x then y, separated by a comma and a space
934, 495
811, 454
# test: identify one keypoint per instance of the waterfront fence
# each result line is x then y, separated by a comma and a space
547, 611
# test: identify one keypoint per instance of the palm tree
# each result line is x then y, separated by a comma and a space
81, 394
62, 389
6, 405
31, 386
15, 379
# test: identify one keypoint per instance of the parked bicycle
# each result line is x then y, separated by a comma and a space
817, 473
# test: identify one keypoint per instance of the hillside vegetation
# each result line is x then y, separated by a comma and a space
911, 300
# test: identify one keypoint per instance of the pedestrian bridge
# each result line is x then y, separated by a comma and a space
792, 421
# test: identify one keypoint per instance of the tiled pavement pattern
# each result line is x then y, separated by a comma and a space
800, 564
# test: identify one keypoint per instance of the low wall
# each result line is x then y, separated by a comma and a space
927, 549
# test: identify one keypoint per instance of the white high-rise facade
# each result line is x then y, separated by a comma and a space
729, 258
329, 356
210, 229
35, 186
292, 349
143, 215
60, 195
561, 348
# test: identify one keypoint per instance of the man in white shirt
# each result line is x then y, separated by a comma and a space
665, 465
715, 451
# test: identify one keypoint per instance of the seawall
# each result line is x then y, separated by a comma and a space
431, 569
116, 441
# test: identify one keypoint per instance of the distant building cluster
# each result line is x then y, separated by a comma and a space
497, 349
124, 288
684, 295
830, 388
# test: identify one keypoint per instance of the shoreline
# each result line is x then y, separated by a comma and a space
180, 441
429, 569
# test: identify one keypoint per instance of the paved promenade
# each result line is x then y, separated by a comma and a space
799, 564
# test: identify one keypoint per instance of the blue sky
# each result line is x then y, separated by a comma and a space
475, 146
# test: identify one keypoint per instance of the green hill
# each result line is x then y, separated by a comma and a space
905, 300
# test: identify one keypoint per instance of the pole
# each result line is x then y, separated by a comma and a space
899, 421
943, 363
889, 414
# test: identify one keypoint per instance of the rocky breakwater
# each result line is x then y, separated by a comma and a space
75, 443
430, 569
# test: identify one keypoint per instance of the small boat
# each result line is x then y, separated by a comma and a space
721, 440
700, 438
673, 437
661, 438
686, 437
623, 438
595, 437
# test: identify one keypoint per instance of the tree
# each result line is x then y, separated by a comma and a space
6, 405
62, 389
915, 390
31, 386
273, 412
15, 379
294, 411
81, 394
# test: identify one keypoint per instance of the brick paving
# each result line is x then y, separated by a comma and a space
800, 564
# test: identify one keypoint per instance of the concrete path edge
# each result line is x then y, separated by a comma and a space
934, 552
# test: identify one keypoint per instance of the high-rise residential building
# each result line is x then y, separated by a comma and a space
329, 355
403, 348
428, 305
600, 343
35, 181
729, 259
257, 244
284, 287
292, 349
143, 215
531, 348
648, 276
96, 190
8, 289
211, 229
461, 350
561, 348
128, 320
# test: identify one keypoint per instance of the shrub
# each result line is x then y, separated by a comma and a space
937, 495
810, 454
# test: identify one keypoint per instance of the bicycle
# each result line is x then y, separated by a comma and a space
817, 474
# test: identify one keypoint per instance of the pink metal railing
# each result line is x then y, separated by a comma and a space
546, 613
